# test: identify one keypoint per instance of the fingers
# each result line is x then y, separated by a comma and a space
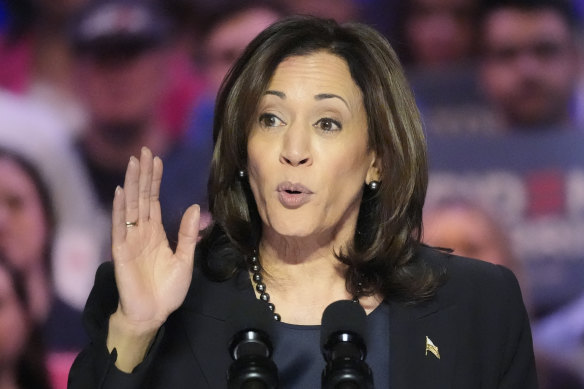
131, 190
188, 233
142, 187
118, 218
155, 213
144, 184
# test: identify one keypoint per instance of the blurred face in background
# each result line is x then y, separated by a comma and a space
227, 40
14, 327
23, 225
467, 231
123, 88
529, 66
440, 32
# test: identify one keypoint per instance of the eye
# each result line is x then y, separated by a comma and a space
269, 120
328, 124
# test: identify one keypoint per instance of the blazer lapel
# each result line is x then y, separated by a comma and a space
205, 325
423, 345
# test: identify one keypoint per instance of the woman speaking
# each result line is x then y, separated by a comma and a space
316, 191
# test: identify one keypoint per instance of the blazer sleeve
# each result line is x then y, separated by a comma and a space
518, 363
94, 367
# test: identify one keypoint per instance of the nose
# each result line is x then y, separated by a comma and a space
528, 64
296, 146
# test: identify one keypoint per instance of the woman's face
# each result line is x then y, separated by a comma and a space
308, 155
23, 226
13, 324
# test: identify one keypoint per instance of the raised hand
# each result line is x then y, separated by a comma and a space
152, 279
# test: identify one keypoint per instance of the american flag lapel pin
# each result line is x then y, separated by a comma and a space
430, 346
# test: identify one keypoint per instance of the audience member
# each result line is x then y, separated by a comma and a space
438, 33
469, 230
225, 35
38, 62
437, 41
122, 58
33, 132
27, 230
49, 224
529, 63
123, 53
27, 225
22, 357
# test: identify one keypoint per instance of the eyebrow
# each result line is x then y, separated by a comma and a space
320, 96
281, 95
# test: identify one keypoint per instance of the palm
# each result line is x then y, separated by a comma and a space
152, 280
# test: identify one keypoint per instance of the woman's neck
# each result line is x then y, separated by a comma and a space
303, 277
292, 262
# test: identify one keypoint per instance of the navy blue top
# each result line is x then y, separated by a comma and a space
303, 367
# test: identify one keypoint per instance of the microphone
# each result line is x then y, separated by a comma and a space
250, 347
343, 347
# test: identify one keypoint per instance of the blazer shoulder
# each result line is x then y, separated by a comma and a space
472, 276
469, 268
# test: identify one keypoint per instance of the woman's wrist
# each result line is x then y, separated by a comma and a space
130, 339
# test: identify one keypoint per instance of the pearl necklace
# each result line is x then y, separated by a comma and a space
255, 268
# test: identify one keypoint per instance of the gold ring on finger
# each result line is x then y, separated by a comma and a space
131, 224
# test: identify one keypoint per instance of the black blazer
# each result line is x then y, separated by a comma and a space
477, 320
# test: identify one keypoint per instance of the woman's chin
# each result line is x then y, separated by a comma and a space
295, 232
293, 229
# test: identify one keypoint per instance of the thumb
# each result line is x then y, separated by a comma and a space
188, 233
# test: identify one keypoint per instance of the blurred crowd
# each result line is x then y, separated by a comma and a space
84, 84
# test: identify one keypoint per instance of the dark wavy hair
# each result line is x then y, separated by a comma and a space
381, 257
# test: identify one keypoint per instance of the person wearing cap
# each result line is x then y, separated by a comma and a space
123, 53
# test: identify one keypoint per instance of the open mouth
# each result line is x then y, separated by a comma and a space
293, 188
293, 195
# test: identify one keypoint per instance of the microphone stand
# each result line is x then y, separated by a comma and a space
250, 346
252, 367
344, 348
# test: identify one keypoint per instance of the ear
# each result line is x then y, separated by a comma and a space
374, 171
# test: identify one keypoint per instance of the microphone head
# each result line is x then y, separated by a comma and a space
250, 326
343, 321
